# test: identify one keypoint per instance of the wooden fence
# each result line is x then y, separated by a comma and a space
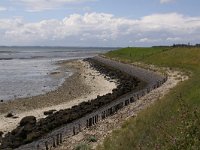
55, 138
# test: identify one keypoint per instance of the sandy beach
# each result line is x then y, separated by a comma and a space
85, 84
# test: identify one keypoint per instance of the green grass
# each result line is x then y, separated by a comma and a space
138, 54
172, 122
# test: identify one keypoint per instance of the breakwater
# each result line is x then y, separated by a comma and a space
122, 99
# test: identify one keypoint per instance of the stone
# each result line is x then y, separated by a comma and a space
50, 112
28, 120
29, 130
1, 133
9, 115
15, 117
31, 136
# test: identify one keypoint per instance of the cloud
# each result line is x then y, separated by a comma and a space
147, 40
3, 8
166, 1
174, 39
101, 29
42, 5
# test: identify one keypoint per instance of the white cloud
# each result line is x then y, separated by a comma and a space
148, 40
96, 29
173, 39
41, 5
3, 8
166, 1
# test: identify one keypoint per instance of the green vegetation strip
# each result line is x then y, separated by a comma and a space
174, 121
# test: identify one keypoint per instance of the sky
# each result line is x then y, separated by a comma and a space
101, 23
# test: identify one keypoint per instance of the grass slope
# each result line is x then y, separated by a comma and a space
173, 122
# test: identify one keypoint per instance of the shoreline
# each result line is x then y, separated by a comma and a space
126, 82
105, 127
85, 84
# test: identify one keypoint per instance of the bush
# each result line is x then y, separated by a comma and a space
82, 146
92, 139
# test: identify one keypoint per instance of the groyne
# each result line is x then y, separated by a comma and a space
55, 138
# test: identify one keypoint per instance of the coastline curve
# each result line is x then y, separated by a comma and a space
55, 138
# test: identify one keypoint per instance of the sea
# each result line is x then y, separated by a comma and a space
25, 71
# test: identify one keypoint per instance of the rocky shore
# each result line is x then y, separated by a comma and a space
64, 93
85, 84
30, 129
94, 136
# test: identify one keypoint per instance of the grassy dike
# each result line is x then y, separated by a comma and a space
172, 122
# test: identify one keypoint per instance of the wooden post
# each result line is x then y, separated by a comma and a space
79, 126
57, 139
46, 145
93, 121
74, 131
54, 142
97, 118
103, 115
90, 122
87, 124
38, 146
61, 138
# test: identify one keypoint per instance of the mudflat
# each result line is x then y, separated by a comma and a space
84, 84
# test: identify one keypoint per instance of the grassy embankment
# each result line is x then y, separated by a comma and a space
172, 122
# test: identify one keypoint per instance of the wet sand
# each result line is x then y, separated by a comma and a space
85, 84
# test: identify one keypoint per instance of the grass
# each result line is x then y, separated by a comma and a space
172, 122
82, 146
92, 138
138, 54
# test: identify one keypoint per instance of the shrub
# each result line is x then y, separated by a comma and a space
82, 146
92, 139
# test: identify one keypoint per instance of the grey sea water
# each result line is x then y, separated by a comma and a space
24, 71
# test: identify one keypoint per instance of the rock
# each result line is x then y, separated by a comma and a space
9, 115
50, 112
15, 117
1, 135
16, 130
28, 127
31, 136
29, 130
28, 120
55, 73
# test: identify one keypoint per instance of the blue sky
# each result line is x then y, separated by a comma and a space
99, 22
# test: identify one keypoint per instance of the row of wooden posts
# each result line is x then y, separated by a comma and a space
57, 138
